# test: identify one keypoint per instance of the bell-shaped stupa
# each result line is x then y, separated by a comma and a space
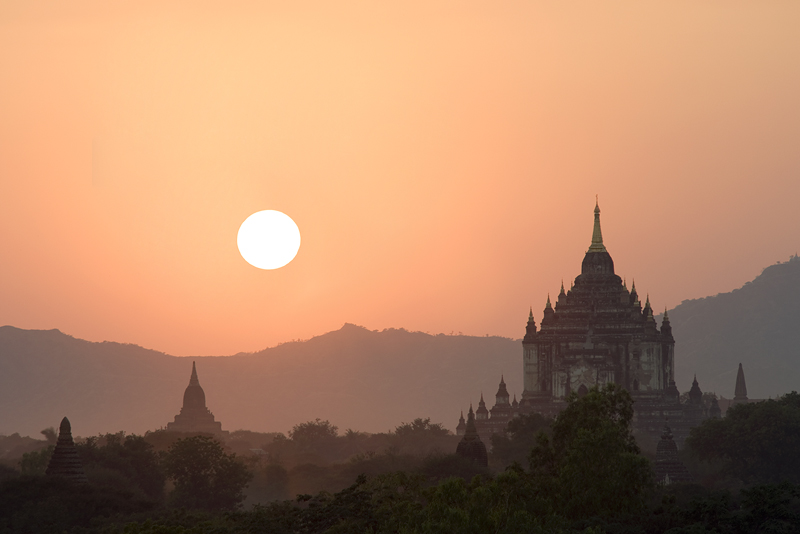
194, 416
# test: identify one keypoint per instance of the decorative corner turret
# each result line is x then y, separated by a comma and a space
481, 413
502, 393
530, 328
666, 327
695, 395
548, 310
648, 310
461, 428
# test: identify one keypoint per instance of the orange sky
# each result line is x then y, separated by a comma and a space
440, 158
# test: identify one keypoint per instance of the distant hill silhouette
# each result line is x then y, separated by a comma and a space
368, 380
757, 325
361, 379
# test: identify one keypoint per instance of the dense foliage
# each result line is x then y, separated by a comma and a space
519, 438
583, 473
205, 476
593, 466
756, 442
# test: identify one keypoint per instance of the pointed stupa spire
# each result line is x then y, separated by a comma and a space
462, 425
597, 234
624, 283
471, 431
648, 310
548, 306
481, 413
530, 315
695, 394
666, 328
471, 446
740, 393
193, 381
562, 289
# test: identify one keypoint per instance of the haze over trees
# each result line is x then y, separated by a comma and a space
584, 474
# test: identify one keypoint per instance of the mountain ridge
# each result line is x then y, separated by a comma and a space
369, 380
45, 375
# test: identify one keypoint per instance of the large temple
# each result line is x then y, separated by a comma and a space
194, 415
596, 333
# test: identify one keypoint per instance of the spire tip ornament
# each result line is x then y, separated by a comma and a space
597, 234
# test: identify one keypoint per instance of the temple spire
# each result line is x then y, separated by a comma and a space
193, 381
597, 234
740, 393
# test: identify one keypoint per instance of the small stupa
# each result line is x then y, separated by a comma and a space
471, 446
65, 461
194, 416
668, 467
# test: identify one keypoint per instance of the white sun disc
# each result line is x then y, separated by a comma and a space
268, 239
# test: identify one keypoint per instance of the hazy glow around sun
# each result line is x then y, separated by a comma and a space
268, 239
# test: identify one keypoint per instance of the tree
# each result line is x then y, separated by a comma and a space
756, 442
420, 426
129, 457
205, 476
515, 444
35, 462
593, 466
423, 438
313, 432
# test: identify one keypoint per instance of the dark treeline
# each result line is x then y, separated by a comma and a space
583, 472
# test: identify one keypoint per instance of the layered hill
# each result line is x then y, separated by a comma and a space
368, 380
356, 378
757, 325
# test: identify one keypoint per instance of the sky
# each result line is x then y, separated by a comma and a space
441, 160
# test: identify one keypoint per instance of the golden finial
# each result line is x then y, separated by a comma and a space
597, 234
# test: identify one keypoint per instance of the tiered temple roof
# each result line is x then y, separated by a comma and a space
65, 461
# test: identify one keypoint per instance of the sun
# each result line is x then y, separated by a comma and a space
268, 239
